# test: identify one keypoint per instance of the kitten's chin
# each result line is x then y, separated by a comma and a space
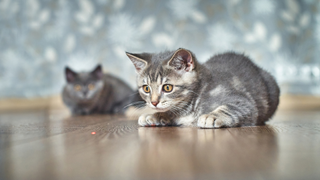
160, 109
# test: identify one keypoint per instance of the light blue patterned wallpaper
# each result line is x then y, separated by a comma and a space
39, 37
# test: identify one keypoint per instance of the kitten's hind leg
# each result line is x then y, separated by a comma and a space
220, 117
238, 113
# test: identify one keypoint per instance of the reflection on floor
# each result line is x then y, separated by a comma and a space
48, 145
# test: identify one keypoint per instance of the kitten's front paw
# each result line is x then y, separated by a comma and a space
214, 121
206, 121
152, 120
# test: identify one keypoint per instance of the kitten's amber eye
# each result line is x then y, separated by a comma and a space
167, 87
91, 86
146, 88
77, 87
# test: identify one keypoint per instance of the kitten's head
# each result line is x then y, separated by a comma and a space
166, 80
84, 85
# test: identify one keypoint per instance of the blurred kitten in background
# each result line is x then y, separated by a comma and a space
98, 93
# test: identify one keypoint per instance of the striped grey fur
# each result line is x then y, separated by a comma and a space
228, 90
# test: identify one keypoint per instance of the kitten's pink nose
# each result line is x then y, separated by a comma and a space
155, 103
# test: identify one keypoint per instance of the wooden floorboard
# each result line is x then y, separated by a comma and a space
51, 145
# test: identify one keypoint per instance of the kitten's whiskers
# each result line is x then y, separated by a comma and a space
135, 103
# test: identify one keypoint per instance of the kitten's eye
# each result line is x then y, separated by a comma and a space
77, 87
167, 87
146, 88
91, 86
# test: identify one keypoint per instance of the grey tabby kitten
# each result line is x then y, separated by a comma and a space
95, 92
227, 91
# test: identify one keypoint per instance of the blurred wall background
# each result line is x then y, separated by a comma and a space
38, 38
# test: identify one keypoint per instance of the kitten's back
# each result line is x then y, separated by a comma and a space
231, 62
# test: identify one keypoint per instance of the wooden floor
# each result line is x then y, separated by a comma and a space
46, 145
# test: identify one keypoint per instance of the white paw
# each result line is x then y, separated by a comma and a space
152, 120
206, 121
148, 120
210, 121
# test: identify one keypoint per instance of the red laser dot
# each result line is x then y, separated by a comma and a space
93, 132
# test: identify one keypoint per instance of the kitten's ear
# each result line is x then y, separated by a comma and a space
70, 75
97, 72
138, 61
182, 60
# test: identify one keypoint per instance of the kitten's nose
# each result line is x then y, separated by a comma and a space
85, 93
155, 103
